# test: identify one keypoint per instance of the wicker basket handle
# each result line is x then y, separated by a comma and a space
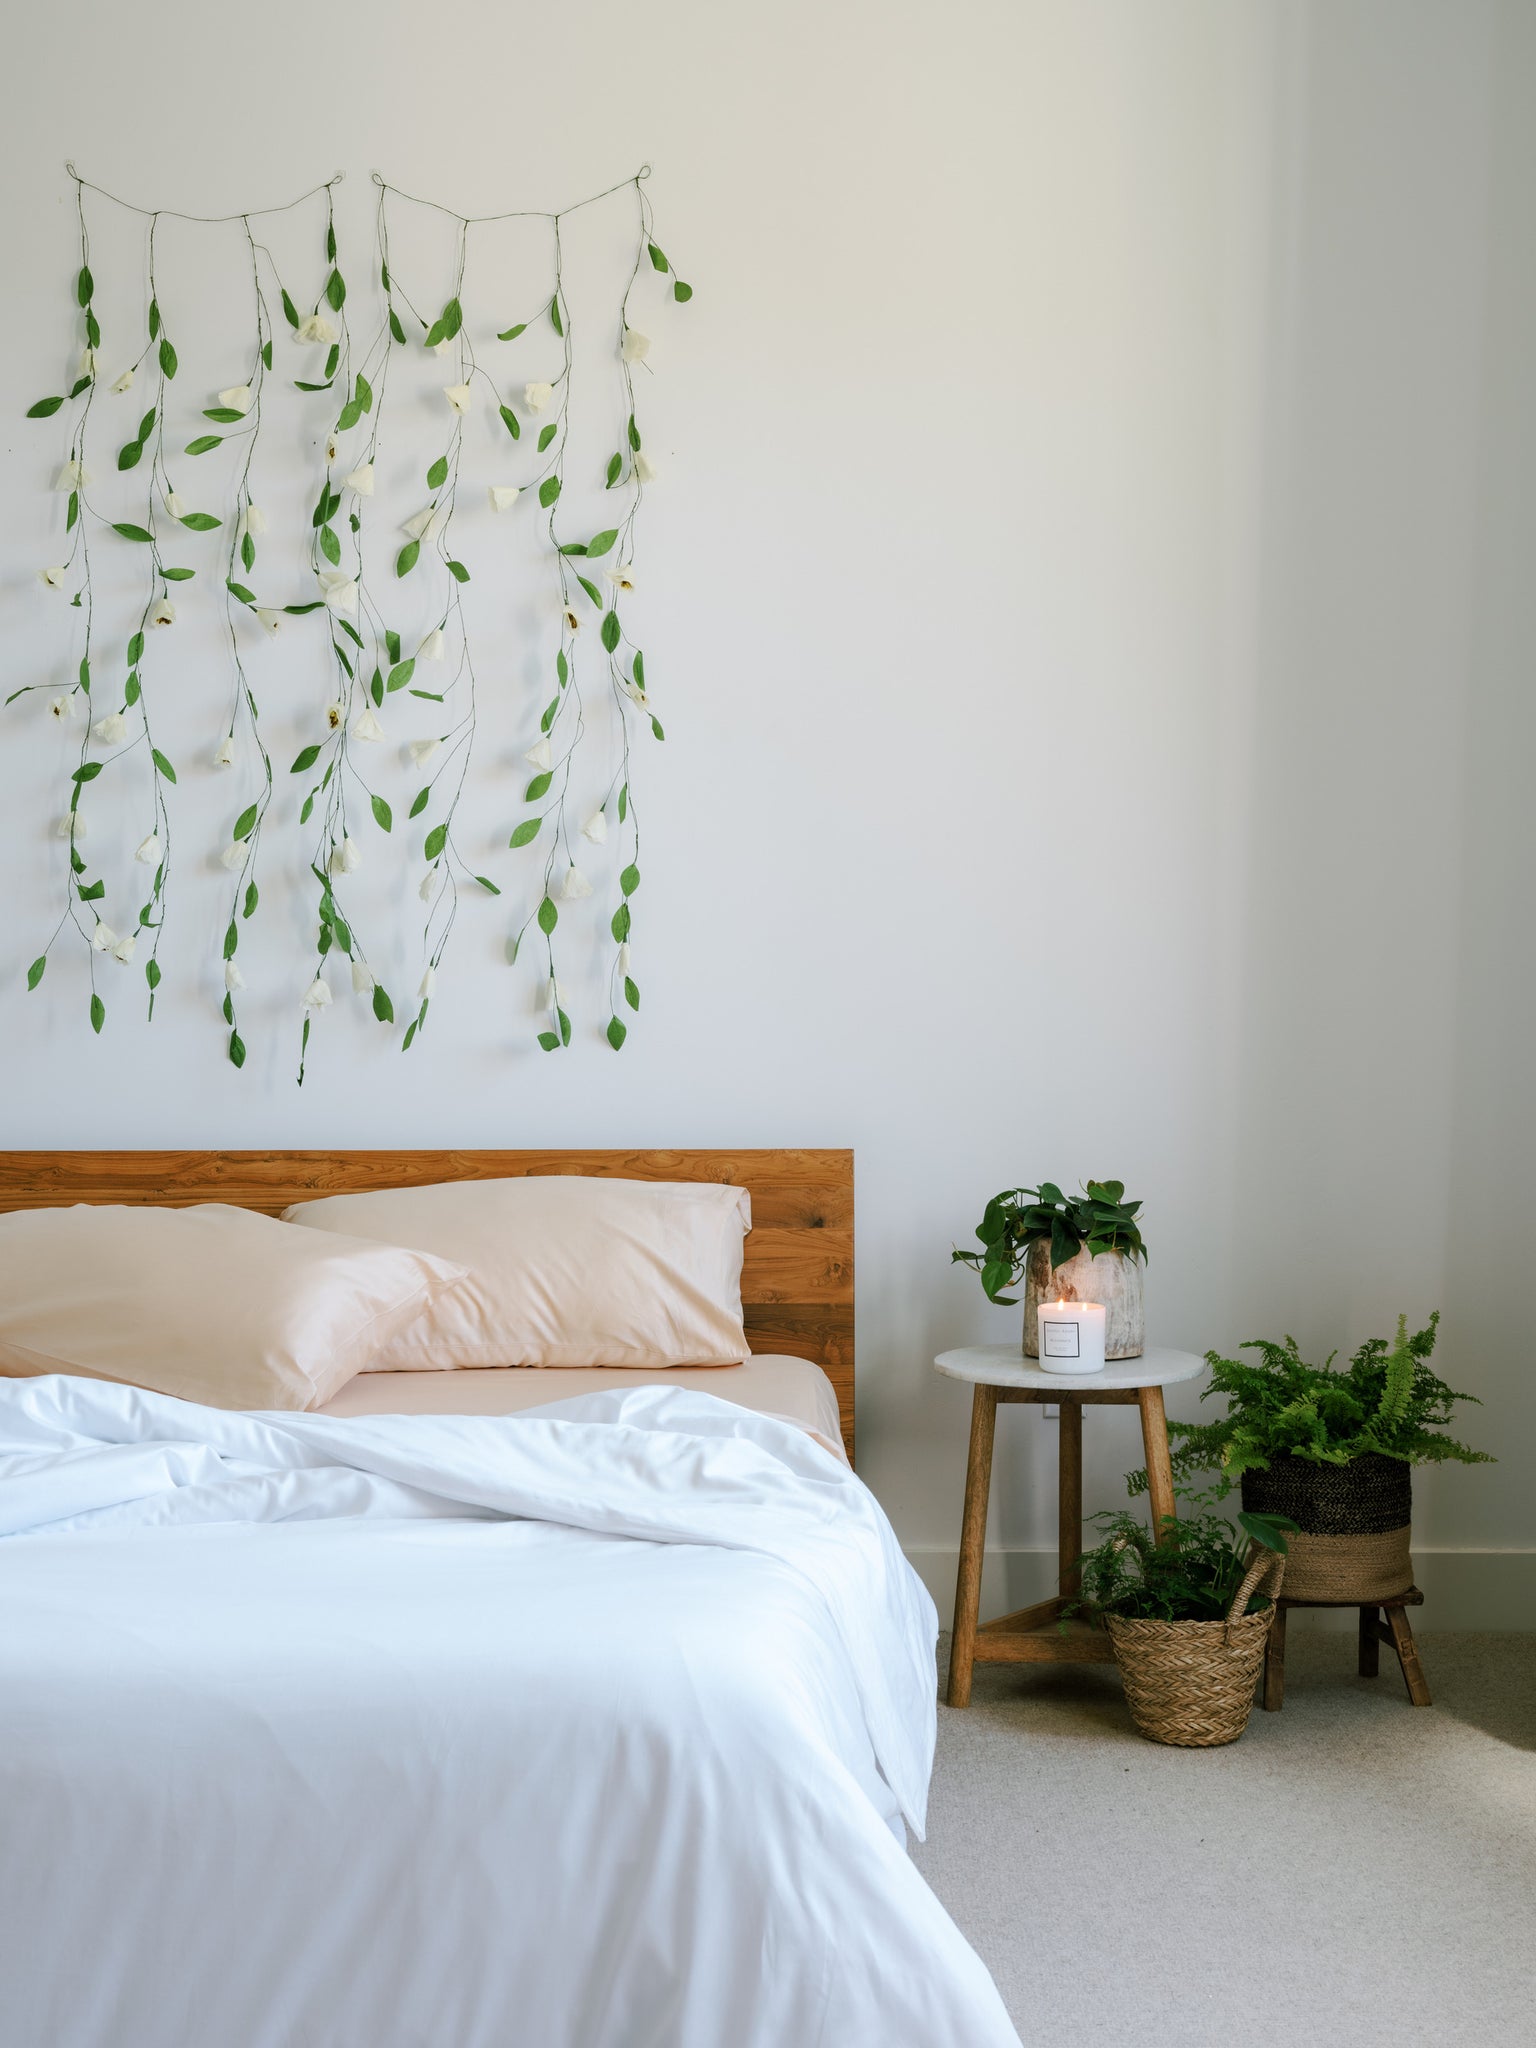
1266, 1570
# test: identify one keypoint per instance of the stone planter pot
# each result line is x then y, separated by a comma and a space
1111, 1279
1355, 1521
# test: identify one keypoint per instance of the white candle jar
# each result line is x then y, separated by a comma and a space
1071, 1335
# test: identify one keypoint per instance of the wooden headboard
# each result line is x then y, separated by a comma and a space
796, 1284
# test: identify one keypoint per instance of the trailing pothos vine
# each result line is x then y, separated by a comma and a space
371, 661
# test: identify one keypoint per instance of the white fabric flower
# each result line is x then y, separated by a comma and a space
175, 504
87, 362
255, 520
503, 496
423, 750
537, 396
317, 328
428, 983
125, 382
596, 828
624, 958
163, 614
60, 707
335, 716
70, 826
457, 396
539, 754
234, 854
575, 886
233, 978
346, 857
338, 589
362, 978
428, 885
415, 527
269, 620
123, 950
443, 347
73, 476
318, 994
634, 693
431, 649
110, 730
552, 993
635, 346
572, 623
622, 578
148, 850
237, 398
360, 479
54, 577
225, 756
332, 449
103, 938
645, 469
366, 725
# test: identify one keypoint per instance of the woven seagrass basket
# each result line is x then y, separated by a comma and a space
1191, 1682
1355, 1522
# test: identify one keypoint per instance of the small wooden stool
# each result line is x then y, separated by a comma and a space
1373, 1633
1001, 1373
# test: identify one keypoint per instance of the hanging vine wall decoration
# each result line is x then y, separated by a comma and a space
354, 594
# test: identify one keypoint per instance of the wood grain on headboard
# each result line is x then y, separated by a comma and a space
796, 1283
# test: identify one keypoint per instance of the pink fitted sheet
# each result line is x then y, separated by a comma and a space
793, 1389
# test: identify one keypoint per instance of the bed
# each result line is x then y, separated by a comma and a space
596, 1724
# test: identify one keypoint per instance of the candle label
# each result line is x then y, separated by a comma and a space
1059, 1340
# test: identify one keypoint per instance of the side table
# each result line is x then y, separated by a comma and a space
1000, 1373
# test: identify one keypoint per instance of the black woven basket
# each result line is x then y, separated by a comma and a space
1366, 1497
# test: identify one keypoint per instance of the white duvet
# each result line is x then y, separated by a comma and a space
583, 1728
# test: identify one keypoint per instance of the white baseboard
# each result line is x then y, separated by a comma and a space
1463, 1589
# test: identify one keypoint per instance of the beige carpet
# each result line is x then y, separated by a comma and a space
1354, 1871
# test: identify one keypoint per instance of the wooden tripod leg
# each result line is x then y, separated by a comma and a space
973, 1537
1370, 1641
1069, 1499
1408, 1657
1154, 1437
1274, 1664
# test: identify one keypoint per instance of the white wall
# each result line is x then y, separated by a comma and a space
1090, 600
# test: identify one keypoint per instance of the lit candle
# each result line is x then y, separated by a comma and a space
1071, 1336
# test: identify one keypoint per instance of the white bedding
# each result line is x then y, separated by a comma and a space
583, 1728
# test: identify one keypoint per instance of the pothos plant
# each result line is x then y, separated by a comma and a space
1099, 1219
368, 655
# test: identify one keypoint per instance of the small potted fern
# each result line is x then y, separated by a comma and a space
1085, 1247
1333, 1448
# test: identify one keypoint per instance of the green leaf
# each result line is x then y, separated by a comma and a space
98, 1013
394, 325
306, 759
562, 669
92, 329
435, 841
363, 392
634, 434
410, 1033
600, 543
298, 610
548, 918
629, 880
512, 333
251, 900
623, 802
290, 310
554, 315
94, 893
84, 285
547, 434
330, 545
85, 675
617, 1033
508, 420
335, 290
401, 674
453, 318
225, 415
658, 261
129, 454
565, 1026
73, 512
200, 522
135, 650
245, 824
306, 807
548, 1040
615, 471
610, 630
419, 803
128, 532
203, 443
36, 971
177, 575
162, 764
231, 940
549, 490
548, 717
682, 292
431, 696
239, 590
487, 884
332, 358
45, 408
437, 475
247, 552
434, 335
405, 561
392, 642
591, 589
526, 833
167, 356
573, 547
638, 665
330, 241
383, 1008
86, 772
631, 994
300, 385
349, 416
619, 925
152, 973
656, 728
236, 1049
154, 318
538, 787
266, 352
458, 571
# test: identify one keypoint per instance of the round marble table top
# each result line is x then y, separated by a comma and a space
1004, 1365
